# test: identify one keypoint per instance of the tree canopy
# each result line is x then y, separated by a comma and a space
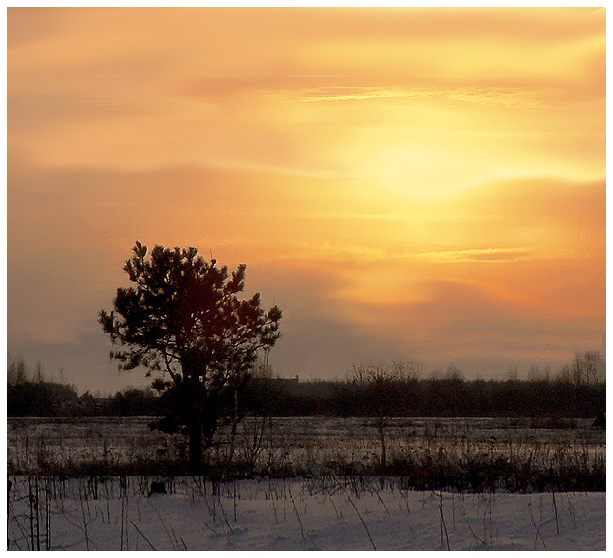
183, 317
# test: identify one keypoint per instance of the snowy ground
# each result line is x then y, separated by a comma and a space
308, 441
293, 514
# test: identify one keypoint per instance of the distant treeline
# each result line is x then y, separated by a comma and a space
578, 390
440, 398
30, 393
50, 399
276, 397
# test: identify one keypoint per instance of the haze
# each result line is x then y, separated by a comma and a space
409, 184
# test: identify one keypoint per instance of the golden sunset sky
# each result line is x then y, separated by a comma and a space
404, 183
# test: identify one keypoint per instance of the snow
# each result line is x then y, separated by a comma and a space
327, 513
308, 441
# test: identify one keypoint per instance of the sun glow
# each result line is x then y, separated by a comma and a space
419, 171
389, 167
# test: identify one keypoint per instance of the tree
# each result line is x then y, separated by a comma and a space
39, 372
380, 389
17, 372
184, 319
257, 403
591, 362
134, 402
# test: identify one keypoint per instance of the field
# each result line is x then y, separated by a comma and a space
292, 514
419, 447
309, 483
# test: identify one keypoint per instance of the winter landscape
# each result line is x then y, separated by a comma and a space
328, 498
294, 514
306, 278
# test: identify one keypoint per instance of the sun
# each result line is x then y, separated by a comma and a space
422, 172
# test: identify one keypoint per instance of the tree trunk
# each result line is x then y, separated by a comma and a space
382, 438
232, 434
195, 448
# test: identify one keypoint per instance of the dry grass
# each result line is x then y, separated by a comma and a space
426, 462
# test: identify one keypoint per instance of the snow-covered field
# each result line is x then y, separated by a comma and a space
293, 514
308, 441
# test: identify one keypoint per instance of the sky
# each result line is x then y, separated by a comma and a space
405, 184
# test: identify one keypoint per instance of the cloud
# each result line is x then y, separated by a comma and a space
491, 255
491, 93
391, 177
467, 320
178, 84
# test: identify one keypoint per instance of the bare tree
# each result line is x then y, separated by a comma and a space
39, 373
17, 372
379, 383
260, 398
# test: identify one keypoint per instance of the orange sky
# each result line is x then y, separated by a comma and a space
404, 183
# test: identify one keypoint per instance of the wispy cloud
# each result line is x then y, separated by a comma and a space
480, 255
354, 94
526, 96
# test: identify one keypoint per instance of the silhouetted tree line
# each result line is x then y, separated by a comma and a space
49, 399
378, 392
29, 393
442, 397
40, 399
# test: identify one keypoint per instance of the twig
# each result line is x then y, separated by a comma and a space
47, 515
443, 525
84, 521
202, 493
142, 535
361, 519
223, 513
37, 507
537, 527
122, 521
555, 509
296, 510
338, 516
31, 514
171, 535
312, 541
571, 511
484, 543
387, 512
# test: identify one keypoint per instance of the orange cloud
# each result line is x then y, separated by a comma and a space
413, 172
